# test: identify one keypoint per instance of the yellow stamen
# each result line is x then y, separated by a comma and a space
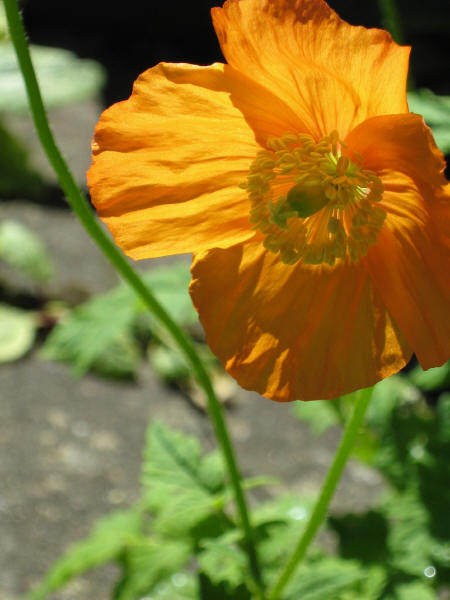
311, 202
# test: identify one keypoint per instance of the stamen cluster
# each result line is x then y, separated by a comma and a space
311, 202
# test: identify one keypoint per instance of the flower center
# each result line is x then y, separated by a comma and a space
311, 202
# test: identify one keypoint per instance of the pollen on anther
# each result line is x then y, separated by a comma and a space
311, 202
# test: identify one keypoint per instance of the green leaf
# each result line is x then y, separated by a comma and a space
434, 109
17, 332
99, 334
63, 77
437, 378
92, 330
388, 395
223, 561
279, 523
355, 529
110, 536
121, 358
409, 541
324, 579
23, 250
179, 485
320, 414
414, 591
170, 286
181, 586
167, 363
436, 112
443, 418
148, 562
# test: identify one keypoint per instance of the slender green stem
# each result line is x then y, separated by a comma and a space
332, 479
81, 208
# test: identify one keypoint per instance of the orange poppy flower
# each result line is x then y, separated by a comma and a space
314, 203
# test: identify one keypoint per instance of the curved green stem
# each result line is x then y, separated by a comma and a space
332, 479
81, 208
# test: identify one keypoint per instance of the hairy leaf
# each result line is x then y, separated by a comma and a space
91, 330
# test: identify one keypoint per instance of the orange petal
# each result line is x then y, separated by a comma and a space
332, 74
410, 265
168, 161
294, 332
402, 143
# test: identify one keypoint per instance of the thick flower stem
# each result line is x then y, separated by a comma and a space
332, 479
80, 206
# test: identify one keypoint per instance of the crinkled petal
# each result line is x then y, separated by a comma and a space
168, 161
334, 75
294, 332
410, 265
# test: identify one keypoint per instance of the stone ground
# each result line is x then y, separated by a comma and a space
70, 449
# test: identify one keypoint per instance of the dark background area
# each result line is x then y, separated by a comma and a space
129, 37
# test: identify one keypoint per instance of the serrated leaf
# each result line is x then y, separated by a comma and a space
223, 561
63, 77
324, 579
91, 330
173, 480
110, 536
17, 332
99, 333
148, 562
23, 250
408, 530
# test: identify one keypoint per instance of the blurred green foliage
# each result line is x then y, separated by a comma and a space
436, 112
180, 540
63, 77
